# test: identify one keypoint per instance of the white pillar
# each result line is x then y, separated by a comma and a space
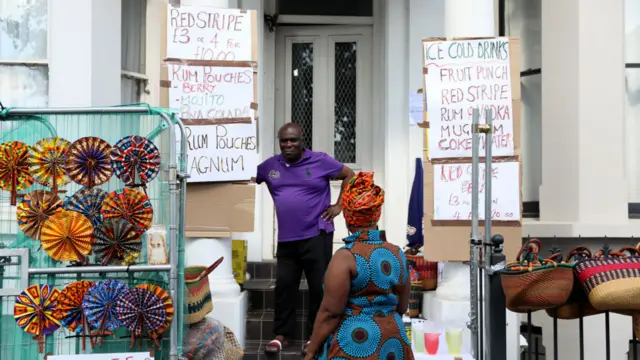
398, 165
464, 18
84, 53
583, 115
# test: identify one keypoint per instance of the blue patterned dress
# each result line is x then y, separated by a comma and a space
371, 328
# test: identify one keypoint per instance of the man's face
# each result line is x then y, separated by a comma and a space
291, 144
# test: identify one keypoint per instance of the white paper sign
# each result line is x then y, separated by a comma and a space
212, 93
452, 188
119, 356
216, 94
207, 33
462, 75
221, 152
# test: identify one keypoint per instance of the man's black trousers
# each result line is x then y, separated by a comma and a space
311, 256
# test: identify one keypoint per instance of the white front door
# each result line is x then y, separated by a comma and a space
323, 83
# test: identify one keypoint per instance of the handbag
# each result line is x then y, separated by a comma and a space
578, 303
611, 279
532, 284
199, 301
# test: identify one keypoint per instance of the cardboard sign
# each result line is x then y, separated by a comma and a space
209, 33
446, 233
452, 191
461, 75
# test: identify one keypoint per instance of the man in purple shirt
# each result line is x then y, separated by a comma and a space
298, 180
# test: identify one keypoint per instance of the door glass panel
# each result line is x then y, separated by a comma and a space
302, 89
344, 147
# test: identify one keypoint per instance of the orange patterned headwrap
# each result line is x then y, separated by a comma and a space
362, 201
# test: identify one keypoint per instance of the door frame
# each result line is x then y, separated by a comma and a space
361, 34
326, 36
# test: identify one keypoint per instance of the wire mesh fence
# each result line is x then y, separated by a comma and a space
111, 127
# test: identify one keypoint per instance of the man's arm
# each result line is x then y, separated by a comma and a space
334, 210
345, 174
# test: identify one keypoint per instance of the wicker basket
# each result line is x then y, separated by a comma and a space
578, 304
198, 291
611, 280
428, 271
533, 284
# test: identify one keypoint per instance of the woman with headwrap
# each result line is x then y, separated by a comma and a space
366, 287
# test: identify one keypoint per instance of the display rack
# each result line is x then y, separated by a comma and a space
167, 196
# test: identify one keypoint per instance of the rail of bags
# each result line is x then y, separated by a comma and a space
581, 284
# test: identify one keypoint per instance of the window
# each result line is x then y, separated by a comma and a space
24, 73
134, 80
524, 20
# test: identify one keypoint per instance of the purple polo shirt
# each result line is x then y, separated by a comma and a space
301, 192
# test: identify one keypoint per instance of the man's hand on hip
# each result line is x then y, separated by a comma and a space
331, 212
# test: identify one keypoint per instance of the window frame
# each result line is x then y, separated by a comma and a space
141, 79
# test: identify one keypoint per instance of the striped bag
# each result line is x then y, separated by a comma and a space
611, 279
199, 303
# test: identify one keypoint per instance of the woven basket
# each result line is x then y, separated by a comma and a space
198, 291
578, 304
611, 280
428, 271
533, 284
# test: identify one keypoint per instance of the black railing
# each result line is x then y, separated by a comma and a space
534, 334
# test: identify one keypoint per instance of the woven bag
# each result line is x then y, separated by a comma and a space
578, 304
428, 270
611, 279
198, 291
532, 284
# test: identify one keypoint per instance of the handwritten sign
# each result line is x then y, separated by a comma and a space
119, 356
452, 188
212, 94
207, 33
221, 152
460, 76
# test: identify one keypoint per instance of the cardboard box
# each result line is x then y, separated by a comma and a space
218, 209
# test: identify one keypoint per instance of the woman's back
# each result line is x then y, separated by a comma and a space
371, 326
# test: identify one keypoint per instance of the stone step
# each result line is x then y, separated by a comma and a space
260, 327
262, 296
254, 350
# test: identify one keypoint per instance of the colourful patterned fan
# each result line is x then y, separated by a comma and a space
34, 209
69, 308
98, 305
166, 300
88, 162
117, 242
67, 236
14, 168
135, 160
131, 205
34, 310
139, 309
47, 158
88, 202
